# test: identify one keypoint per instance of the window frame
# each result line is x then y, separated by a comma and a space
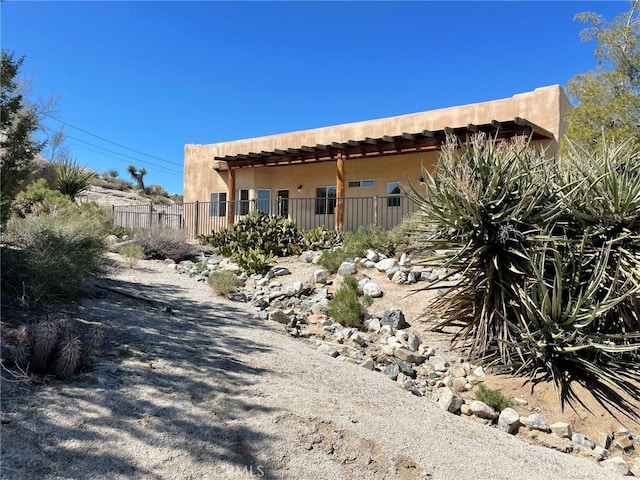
394, 199
218, 207
325, 203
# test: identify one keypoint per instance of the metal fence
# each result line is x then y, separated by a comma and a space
203, 218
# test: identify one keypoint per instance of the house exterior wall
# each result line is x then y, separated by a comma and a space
544, 106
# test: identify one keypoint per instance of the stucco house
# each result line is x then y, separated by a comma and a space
348, 175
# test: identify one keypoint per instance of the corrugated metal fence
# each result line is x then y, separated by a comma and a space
199, 218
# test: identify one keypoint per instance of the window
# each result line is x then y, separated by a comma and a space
218, 205
362, 183
243, 202
264, 201
393, 194
325, 200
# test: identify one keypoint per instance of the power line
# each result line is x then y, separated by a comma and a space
113, 143
121, 154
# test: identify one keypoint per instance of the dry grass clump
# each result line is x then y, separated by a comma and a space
163, 243
224, 283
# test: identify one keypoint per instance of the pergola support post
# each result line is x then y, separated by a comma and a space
340, 181
231, 197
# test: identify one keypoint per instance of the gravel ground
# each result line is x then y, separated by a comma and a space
191, 386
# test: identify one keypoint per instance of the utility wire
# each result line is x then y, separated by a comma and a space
121, 154
113, 143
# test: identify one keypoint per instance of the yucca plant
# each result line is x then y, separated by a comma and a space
560, 329
549, 257
72, 179
484, 206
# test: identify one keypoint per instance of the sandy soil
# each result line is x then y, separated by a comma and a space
191, 386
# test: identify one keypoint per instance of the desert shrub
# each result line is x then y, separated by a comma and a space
373, 237
321, 238
132, 254
37, 198
157, 190
548, 254
224, 283
163, 243
50, 257
54, 345
332, 259
71, 178
494, 398
112, 183
345, 306
406, 237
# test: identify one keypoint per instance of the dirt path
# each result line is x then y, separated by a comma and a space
207, 391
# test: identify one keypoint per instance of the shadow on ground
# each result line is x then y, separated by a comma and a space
167, 384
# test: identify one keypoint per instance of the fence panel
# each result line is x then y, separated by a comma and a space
203, 218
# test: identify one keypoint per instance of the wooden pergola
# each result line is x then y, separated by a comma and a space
339, 152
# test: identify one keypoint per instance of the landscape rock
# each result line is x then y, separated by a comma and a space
399, 278
386, 264
392, 371
368, 364
449, 400
404, 367
509, 421
320, 276
408, 356
395, 318
582, 439
405, 261
535, 421
372, 289
561, 429
328, 350
372, 256
373, 325
482, 410
346, 268
616, 465
413, 341
279, 316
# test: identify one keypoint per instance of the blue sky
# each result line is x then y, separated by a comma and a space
154, 76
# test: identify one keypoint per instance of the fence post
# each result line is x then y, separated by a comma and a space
375, 209
195, 219
150, 216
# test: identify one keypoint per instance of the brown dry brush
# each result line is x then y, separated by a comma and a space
50, 346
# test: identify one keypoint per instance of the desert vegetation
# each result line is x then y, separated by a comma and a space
547, 252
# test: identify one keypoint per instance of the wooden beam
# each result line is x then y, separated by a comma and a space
473, 128
231, 197
449, 131
371, 141
340, 183
428, 133
534, 128
408, 136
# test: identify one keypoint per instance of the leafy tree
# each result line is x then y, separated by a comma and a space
608, 98
19, 120
137, 175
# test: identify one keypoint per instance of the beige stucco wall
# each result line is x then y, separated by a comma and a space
544, 106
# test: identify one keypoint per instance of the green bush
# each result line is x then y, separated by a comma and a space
494, 398
51, 257
132, 254
163, 243
345, 307
224, 283
548, 254
254, 261
373, 237
332, 259
37, 198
